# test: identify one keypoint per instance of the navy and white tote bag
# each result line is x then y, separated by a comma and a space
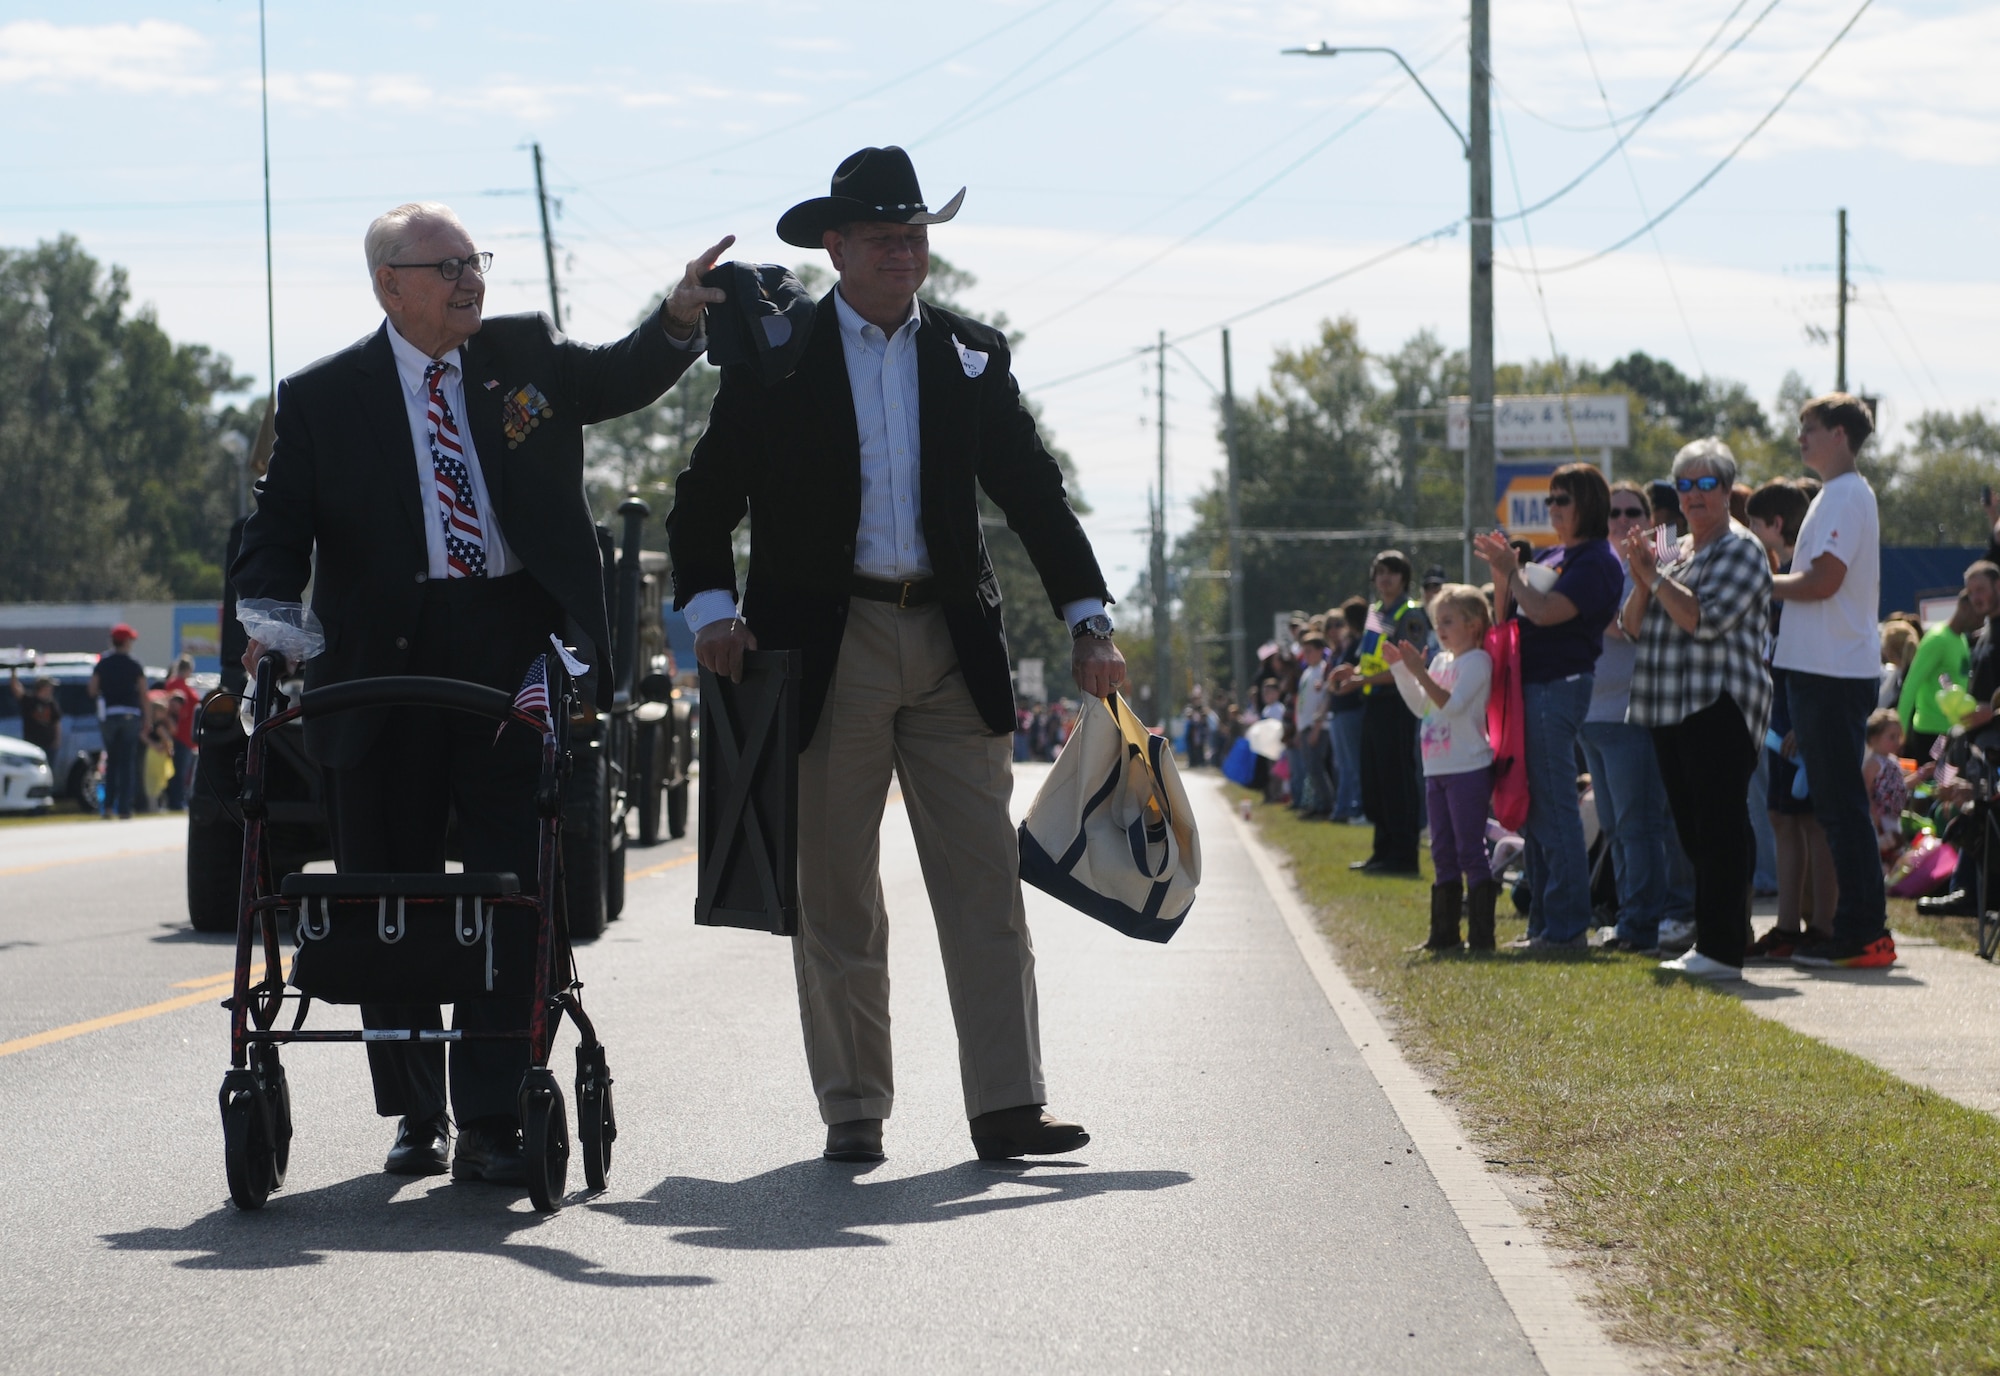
1111, 834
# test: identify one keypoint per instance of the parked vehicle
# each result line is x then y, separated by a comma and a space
26, 785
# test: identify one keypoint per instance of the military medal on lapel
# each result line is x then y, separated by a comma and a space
521, 411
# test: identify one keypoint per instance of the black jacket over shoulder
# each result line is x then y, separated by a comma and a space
343, 480
789, 456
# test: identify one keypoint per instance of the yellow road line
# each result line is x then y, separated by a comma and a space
77, 1029
87, 860
660, 868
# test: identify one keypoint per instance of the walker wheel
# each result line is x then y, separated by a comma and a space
596, 1122
278, 1103
544, 1139
246, 1141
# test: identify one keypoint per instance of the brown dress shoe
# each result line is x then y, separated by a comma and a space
858, 1139
1024, 1131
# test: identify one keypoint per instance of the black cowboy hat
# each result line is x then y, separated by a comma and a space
877, 184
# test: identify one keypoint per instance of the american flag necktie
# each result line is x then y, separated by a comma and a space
464, 540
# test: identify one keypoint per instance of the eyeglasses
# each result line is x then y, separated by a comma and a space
1707, 482
1630, 513
451, 269
1560, 499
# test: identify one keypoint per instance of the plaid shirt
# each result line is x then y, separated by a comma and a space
1677, 674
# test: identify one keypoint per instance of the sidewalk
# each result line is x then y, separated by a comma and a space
1932, 1019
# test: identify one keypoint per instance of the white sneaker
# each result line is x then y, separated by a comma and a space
1701, 967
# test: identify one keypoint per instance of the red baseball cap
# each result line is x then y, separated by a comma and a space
123, 632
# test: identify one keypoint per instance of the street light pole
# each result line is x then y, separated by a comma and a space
1163, 649
1478, 148
1479, 441
1239, 640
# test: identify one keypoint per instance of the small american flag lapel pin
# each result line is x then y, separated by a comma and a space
491, 383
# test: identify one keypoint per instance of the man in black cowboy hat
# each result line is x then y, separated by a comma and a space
864, 468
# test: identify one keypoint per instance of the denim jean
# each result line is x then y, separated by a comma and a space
1830, 719
1766, 880
1558, 861
1346, 764
1318, 757
1632, 812
177, 787
121, 763
1295, 771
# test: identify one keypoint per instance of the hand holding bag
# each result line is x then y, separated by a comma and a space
1110, 833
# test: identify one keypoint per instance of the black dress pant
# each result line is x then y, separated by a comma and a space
389, 815
1389, 778
1706, 760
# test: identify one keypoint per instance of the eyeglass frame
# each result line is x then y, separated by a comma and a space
480, 262
1627, 513
1707, 482
1559, 499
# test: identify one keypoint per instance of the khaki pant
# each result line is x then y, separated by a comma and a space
898, 701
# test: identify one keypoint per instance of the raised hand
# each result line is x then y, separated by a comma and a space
1498, 554
689, 297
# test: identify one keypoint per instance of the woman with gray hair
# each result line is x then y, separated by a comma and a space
1698, 610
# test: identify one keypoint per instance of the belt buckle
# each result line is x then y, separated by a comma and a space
903, 600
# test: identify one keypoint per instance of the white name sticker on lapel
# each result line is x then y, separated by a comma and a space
972, 360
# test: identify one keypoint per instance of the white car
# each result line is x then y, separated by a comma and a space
26, 785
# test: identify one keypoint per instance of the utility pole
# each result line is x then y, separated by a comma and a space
1479, 446
1163, 662
548, 241
262, 454
1239, 646
1840, 327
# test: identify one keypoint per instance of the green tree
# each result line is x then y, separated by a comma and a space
1929, 488
117, 486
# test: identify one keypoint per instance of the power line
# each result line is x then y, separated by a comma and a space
1032, 59
1222, 215
1728, 157
1541, 297
1060, 72
929, 65
1614, 121
1672, 90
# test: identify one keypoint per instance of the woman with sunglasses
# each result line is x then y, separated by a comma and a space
1699, 684
1562, 634
1654, 881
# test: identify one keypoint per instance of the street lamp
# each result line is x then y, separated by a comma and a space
1479, 152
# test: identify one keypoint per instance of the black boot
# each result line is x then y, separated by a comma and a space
1479, 915
1447, 901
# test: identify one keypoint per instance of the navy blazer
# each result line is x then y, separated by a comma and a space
343, 479
789, 456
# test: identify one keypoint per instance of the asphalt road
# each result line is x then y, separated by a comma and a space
1249, 1201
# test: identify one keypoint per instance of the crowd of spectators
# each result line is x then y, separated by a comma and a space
1694, 663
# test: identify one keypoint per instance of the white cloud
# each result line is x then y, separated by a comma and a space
152, 56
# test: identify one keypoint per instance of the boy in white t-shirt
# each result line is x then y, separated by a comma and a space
1828, 646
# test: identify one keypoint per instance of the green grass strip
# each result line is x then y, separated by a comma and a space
1756, 1200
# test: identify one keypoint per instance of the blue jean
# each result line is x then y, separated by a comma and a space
1830, 719
1766, 880
177, 787
1632, 812
1346, 764
1558, 861
121, 763
1318, 756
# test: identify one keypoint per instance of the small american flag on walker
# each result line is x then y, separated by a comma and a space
533, 695
1945, 773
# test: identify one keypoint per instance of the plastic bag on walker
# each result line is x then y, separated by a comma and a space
287, 628
1111, 834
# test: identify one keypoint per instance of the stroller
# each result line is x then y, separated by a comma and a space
476, 928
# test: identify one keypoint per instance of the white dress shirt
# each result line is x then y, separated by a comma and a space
411, 363
889, 542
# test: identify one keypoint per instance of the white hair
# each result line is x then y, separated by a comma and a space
391, 233
1710, 455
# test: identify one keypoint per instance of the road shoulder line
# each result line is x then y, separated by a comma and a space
1567, 1340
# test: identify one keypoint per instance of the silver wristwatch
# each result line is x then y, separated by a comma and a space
1097, 627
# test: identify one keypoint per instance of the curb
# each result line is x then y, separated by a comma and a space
1566, 1339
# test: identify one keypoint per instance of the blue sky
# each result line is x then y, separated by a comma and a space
1127, 163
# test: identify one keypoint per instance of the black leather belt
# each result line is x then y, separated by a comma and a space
913, 592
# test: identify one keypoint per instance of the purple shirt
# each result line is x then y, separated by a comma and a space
1590, 576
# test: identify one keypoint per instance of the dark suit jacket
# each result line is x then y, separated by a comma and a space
789, 455
343, 477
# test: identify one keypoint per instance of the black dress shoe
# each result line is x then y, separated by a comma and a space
423, 1147
489, 1149
1024, 1131
858, 1139
1957, 903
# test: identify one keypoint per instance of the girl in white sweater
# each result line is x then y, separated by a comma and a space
1449, 699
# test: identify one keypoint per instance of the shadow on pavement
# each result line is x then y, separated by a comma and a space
812, 1204
180, 934
363, 1216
